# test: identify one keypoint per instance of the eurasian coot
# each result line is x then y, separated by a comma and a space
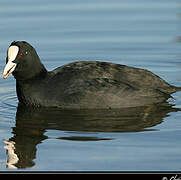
83, 84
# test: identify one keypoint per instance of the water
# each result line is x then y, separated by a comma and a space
138, 33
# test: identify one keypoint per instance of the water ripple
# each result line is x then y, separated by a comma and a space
8, 103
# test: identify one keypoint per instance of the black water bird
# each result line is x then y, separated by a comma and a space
83, 84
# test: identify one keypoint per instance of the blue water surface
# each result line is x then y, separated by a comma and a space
137, 33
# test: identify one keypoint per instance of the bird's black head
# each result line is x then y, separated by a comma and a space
22, 61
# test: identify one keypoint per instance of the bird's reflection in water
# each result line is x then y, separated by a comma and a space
31, 125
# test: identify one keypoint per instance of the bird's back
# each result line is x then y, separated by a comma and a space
94, 84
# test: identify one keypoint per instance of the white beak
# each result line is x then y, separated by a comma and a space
10, 66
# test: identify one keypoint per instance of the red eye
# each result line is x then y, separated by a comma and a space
21, 55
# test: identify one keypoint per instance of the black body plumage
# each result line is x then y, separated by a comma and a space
85, 84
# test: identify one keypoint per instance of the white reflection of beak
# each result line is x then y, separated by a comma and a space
10, 66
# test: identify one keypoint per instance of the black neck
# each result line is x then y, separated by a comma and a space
34, 70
